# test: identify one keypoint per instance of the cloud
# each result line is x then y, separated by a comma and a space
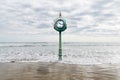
94, 17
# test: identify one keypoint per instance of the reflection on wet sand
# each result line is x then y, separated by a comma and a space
58, 71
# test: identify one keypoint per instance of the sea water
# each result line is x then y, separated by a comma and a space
73, 52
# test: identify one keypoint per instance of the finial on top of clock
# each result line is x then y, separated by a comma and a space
60, 15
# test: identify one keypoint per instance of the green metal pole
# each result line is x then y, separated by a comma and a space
60, 46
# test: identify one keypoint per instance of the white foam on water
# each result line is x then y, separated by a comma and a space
73, 53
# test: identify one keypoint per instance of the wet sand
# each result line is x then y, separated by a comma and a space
58, 71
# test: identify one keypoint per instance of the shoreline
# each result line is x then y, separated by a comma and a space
61, 62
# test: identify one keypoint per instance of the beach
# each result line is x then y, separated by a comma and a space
58, 71
39, 61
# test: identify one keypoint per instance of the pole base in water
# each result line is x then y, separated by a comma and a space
60, 54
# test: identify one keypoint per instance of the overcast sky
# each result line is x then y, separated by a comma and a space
32, 20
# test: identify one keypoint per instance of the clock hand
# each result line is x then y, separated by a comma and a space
61, 23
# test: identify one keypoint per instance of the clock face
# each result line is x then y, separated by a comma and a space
60, 24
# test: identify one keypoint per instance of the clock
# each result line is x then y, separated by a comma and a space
60, 24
